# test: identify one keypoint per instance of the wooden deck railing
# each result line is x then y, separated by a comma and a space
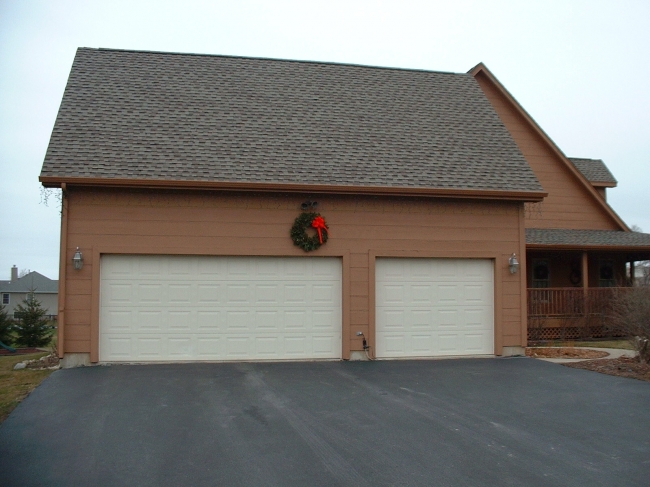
570, 313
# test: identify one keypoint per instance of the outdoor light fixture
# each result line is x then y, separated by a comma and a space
78, 260
309, 205
513, 263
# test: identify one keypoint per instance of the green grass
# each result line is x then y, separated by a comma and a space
15, 385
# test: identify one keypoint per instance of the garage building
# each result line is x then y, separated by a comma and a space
185, 178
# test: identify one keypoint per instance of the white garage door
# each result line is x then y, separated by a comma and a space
166, 308
434, 307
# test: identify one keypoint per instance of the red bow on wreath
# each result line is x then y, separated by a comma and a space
319, 225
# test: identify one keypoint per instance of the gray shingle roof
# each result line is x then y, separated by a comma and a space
594, 170
164, 116
38, 282
587, 238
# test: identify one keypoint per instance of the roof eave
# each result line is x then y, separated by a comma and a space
603, 184
525, 196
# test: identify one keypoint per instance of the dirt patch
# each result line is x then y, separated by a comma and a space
621, 367
548, 352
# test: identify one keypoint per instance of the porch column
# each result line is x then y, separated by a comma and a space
632, 283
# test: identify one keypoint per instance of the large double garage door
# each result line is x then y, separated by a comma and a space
185, 308
188, 308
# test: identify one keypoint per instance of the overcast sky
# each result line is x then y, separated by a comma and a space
580, 68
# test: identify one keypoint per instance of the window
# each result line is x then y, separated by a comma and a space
606, 277
541, 274
5, 298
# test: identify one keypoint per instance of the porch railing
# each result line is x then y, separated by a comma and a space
571, 313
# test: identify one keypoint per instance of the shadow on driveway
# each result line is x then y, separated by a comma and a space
474, 422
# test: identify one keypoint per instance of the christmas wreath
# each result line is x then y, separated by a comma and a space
299, 231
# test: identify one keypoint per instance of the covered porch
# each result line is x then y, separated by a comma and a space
573, 276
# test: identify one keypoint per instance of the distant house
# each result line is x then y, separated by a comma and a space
14, 291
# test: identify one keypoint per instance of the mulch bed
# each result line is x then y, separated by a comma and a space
621, 367
548, 352
20, 351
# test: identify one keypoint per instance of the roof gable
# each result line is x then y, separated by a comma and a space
595, 171
158, 118
572, 201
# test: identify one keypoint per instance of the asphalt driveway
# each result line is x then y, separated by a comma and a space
473, 422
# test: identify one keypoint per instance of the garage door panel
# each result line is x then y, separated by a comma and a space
324, 345
238, 294
323, 319
268, 294
181, 321
391, 294
447, 294
209, 308
268, 321
325, 294
422, 344
209, 347
434, 307
116, 293
421, 319
150, 268
295, 294
180, 347
391, 345
181, 293
422, 294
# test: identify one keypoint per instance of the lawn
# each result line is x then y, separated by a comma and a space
15, 385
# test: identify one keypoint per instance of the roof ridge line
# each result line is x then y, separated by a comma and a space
283, 60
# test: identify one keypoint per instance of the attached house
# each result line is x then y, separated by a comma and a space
577, 247
14, 291
193, 187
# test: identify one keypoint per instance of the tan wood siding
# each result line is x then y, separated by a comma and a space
569, 203
213, 223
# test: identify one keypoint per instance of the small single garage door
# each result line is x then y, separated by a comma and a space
434, 307
167, 308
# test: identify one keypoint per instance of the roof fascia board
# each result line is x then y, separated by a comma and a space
55, 182
577, 174
600, 184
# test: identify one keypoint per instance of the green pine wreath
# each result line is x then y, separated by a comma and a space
299, 233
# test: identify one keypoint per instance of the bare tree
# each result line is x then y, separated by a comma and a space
631, 314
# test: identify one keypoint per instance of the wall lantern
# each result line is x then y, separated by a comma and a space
78, 260
309, 205
513, 263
